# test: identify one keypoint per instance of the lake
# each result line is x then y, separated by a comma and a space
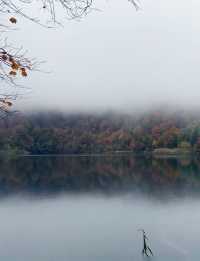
90, 208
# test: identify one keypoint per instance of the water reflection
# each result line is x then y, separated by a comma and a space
108, 174
92, 226
89, 228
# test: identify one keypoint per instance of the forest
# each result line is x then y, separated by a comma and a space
87, 133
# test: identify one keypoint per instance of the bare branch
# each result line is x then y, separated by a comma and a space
13, 61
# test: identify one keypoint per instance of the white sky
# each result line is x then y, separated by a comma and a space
117, 58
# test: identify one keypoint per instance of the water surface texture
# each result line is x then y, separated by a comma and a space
90, 208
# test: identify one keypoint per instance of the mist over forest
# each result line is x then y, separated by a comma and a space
51, 132
99, 130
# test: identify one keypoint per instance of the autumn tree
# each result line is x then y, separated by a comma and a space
13, 61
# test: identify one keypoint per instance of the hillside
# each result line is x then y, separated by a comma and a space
58, 133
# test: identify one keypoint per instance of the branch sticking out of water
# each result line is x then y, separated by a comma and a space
146, 251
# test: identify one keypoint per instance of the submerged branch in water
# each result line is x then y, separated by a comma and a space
146, 251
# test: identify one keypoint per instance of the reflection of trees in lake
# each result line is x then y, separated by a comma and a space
109, 173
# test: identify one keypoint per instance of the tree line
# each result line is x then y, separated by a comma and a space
58, 133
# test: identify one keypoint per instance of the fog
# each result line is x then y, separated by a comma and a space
90, 208
97, 228
116, 58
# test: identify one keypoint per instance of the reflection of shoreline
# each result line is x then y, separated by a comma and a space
107, 174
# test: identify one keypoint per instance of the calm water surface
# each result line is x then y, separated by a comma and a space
90, 208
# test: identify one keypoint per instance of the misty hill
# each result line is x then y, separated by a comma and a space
58, 133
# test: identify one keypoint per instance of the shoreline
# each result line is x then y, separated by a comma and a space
173, 153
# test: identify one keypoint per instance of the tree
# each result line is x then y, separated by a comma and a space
73, 8
13, 61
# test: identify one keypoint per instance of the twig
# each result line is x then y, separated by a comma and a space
146, 248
